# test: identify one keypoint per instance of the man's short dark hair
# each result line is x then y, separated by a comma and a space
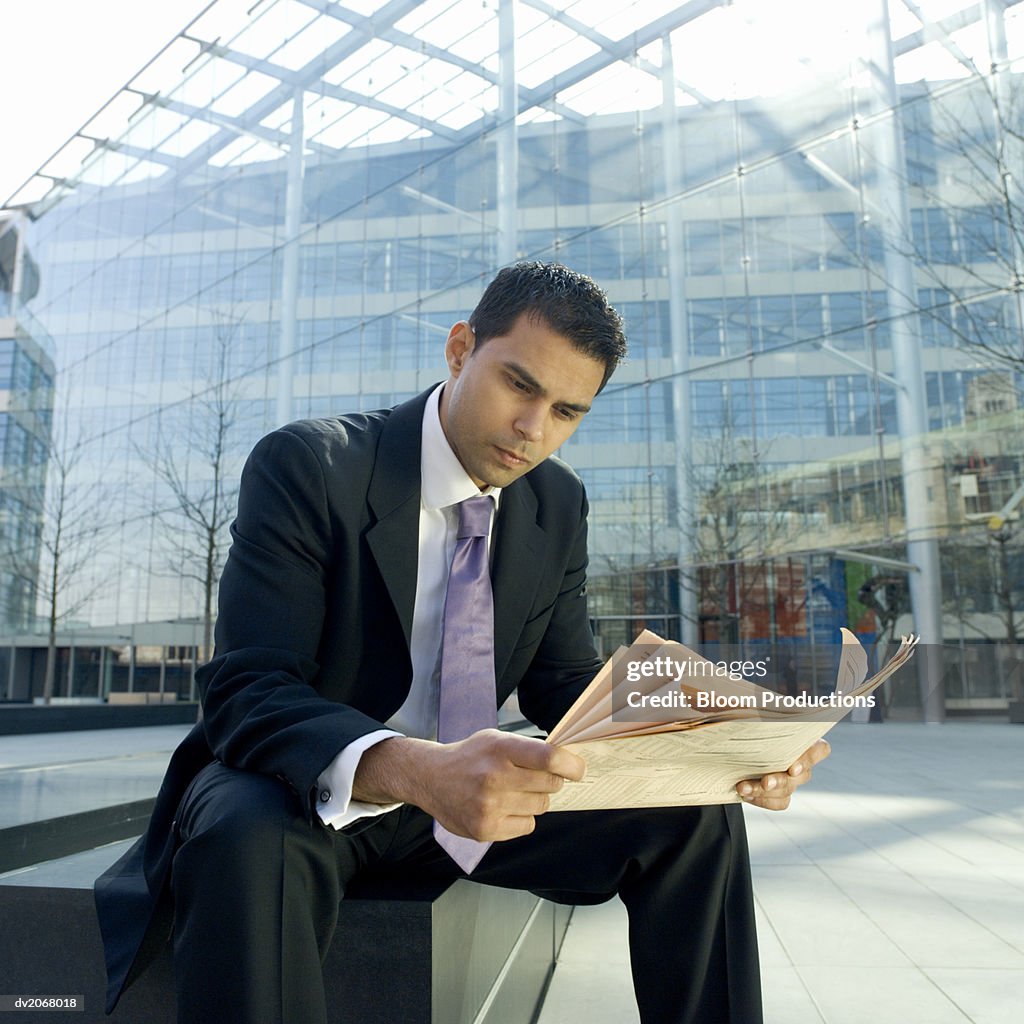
570, 303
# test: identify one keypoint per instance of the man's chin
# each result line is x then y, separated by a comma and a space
504, 467
502, 476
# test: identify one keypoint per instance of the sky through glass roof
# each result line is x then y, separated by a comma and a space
374, 71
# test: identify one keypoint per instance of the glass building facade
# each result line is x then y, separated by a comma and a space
26, 407
809, 217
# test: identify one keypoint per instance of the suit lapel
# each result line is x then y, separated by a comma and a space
394, 497
519, 543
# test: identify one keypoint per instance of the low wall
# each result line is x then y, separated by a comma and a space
16, 719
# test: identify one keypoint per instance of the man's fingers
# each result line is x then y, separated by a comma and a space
527, 804
772, 803
515, 826
539, 756
809, 758
773, 798
774, 791
774, 786
820, 751
567, 764
531, 780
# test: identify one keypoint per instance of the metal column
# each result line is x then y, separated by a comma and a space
1009, 142
10, 671
71, 668
19, 262
911, 397
290, 263
682, 415
507, 136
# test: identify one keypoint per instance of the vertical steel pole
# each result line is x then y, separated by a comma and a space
131, 663
507, 136
681, 410
921, 486
290, 263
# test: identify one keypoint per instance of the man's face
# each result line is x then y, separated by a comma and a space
509, 403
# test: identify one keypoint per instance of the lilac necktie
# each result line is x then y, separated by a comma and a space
466, 699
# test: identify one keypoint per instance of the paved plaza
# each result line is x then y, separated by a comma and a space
892, 891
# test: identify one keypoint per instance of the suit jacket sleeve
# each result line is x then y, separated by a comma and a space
262, 710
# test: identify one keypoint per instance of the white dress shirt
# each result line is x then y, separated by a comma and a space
444, 483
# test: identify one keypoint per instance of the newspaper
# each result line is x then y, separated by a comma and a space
721, 728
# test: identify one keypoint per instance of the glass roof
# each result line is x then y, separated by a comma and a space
374, 71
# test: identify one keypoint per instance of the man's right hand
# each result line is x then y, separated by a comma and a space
489, 786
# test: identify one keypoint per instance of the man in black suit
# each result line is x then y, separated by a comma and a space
316, 759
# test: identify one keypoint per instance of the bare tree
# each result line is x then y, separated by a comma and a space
630, 573
964, 184
963, 178
1001, 540
196, 460
729, 532
62, 547
969, 203
736, 528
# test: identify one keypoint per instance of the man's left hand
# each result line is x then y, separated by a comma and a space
775, 790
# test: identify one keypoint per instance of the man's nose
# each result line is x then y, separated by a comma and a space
530, 423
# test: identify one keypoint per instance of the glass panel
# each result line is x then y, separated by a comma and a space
780, 258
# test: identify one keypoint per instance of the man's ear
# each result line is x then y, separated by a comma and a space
459, 347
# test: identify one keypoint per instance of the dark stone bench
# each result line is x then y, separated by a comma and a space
457, 954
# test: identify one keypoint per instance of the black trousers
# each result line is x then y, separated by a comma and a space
256, 893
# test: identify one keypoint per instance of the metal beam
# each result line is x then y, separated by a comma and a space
610, 46
153, 156
935, 32
650, 33
393, 35
833, 177
867, 558
320, 87
344, 47
440, 204
824, 346
235, 125
949, 25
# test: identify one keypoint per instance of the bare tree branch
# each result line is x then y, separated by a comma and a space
194, 460
59, 553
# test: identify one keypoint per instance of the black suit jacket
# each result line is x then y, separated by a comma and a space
319, 584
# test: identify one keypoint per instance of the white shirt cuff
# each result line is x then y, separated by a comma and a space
334, 801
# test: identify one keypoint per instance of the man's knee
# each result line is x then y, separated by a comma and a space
233, 817
674, 827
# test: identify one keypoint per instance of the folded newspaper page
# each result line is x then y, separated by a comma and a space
662, 726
